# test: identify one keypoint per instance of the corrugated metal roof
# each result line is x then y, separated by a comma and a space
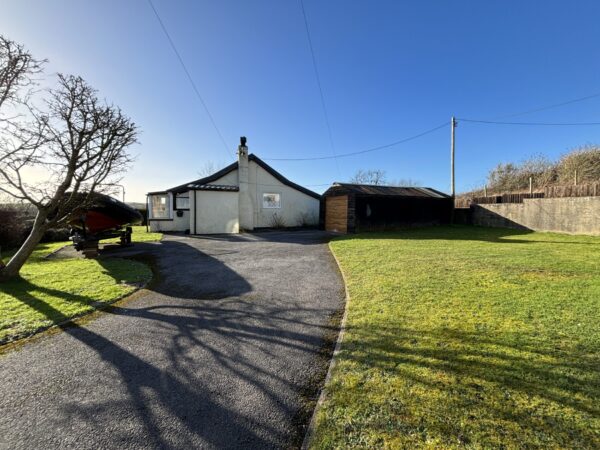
214, 187
395, 191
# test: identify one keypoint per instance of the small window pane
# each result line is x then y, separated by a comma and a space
159, 206
182, 202
271, 201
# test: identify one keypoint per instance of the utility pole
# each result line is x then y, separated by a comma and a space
452, 141
452, 184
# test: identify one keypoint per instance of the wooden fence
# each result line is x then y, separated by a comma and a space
581, 190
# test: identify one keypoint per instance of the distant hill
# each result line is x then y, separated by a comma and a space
137, 205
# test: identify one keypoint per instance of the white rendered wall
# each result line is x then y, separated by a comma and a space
296, 209
231, 179
216, 212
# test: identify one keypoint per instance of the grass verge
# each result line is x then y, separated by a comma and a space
50, 291
463, 337
139, 234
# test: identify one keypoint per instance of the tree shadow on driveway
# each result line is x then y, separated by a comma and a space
196, 362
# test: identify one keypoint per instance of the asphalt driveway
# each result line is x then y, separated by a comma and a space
225, 351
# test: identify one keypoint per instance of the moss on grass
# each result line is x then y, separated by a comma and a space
464, 337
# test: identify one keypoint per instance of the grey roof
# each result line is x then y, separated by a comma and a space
233, 166
377, 190
214, 187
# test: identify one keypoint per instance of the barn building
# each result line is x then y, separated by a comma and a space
348, 208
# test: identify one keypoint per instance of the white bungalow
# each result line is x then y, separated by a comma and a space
245, 195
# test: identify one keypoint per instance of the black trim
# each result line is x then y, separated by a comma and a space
230, 168
281, 178
175, 208
215, 176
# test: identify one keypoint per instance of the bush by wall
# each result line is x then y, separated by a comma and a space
13, 225
580, 165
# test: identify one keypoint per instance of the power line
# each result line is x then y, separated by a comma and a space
531, 123
314, 61
360, 152
543, 108
189, 76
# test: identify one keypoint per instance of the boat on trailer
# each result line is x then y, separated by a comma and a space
104, 218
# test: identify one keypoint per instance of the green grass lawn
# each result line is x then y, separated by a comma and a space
51, 291
139, 234
467, 338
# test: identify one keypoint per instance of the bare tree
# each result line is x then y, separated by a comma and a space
404, 182
74, 145
207, 168
17, 71
376, 177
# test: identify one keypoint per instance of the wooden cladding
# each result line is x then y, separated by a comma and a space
336, 214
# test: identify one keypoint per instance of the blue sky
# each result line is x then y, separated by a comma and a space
389, 69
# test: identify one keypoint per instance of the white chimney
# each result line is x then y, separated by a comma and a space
246, 213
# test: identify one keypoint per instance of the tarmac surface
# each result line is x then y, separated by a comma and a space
227, 349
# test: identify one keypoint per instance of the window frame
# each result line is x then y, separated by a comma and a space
177, 197
278, 194
167, 208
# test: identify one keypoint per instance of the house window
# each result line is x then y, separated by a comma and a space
159, 206
182, 201
271, 201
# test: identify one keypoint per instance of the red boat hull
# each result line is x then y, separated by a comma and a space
104, 214
96, 221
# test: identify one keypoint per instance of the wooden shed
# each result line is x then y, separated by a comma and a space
348, 208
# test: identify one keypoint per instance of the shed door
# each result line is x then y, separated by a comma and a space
336, 214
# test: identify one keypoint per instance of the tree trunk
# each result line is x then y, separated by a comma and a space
12, 269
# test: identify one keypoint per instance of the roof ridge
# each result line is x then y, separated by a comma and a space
233, 166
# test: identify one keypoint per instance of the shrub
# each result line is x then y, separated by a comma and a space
277, 221
585, 160
511, 177
56, 235
13, 225
514, 177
